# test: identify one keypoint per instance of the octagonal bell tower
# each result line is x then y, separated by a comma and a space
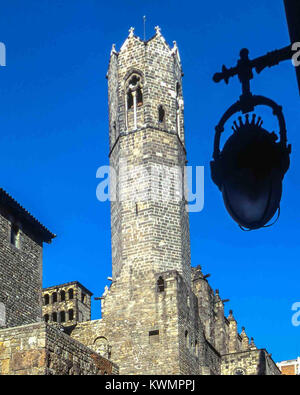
144, 310
149, 220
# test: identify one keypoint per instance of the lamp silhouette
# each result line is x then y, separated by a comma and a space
251, 166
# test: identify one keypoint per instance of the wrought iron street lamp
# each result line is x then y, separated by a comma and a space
249, 170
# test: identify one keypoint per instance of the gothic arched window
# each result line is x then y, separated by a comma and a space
134, 98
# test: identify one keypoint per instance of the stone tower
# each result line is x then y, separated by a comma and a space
66, 304
150, 229
159, 314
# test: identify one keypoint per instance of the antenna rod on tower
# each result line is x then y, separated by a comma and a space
144, 18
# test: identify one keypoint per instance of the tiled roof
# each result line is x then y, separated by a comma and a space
24, 216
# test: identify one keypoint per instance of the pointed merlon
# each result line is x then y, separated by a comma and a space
252, 344
230, 317
243, 333
113, 49
157, 30
131, 32
175, 48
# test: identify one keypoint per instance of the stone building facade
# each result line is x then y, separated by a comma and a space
159, 314
67, 303
21, 251
28, 346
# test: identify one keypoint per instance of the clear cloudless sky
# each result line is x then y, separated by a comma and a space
54, 136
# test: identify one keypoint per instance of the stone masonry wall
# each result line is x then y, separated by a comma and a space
148, 331
40, 349
252, 362
20, 276
140, 325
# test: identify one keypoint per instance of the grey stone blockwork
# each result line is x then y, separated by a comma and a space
21, 248
20, 276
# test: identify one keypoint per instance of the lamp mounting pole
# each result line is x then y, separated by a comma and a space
245, 66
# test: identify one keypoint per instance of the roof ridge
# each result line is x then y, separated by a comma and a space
4, 194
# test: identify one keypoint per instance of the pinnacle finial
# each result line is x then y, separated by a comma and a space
157, 30
113, 49
131, 32
252, 344
230, 316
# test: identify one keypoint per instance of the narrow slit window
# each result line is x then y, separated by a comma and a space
187, 342
54, 317
46, 317
160, 284
161, 114
114, 130
14, 236
178, 89
154, 337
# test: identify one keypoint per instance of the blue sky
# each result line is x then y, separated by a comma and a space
54, 136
